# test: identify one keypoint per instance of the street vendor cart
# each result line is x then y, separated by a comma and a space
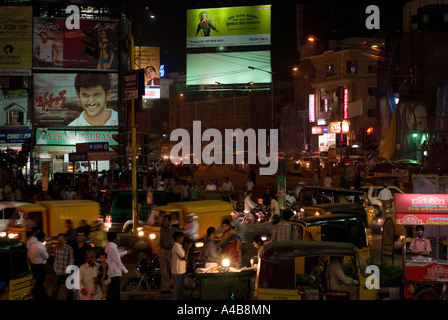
225, 283
424, 278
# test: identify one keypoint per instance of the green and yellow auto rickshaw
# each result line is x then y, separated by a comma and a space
295, 270
16, 279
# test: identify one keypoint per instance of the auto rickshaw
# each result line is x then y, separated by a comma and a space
336, 228
16, 279
295, 270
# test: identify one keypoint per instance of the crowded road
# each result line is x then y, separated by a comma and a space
238, 179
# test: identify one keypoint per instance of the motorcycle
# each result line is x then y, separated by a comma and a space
262, 213
149, 276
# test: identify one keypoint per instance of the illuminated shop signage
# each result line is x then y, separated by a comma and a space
311, 106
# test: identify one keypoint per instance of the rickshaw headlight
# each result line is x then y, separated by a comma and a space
199, 244
152, 236
3, 234
140, 233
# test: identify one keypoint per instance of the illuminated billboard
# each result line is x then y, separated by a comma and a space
235, 26
148, 58
93, 104
229, 68
56, 47
16, 35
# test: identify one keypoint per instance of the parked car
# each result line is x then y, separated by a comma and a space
372, 194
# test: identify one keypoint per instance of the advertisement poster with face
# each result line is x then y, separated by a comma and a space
56, 47
233, 26
148, 59
78, 100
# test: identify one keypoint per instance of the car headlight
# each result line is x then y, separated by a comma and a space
152, 236
140, 233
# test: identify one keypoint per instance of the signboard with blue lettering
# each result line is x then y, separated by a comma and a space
15, 136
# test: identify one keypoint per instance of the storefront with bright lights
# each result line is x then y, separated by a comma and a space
53, 146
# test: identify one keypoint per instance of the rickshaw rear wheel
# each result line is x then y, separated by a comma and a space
427, 295
229, 292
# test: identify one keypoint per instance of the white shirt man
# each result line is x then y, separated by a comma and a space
116, 267
38, 253
210, 186
87, 275
248, 203
289, 198
385, 194
227, 185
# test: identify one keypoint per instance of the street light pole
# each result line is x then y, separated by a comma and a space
272, 92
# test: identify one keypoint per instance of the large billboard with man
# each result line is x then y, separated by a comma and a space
76, 100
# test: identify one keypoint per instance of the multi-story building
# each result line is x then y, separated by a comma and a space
342, 84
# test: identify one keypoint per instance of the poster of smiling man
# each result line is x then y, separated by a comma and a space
76, 100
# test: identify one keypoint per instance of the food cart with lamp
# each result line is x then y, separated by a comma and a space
225, 283
424, 278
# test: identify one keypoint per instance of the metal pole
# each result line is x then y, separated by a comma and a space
134, 146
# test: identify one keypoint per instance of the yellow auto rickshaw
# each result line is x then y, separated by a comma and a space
296, 270
336, 228
16, 279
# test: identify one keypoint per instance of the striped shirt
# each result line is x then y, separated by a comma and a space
283, 231
63, 257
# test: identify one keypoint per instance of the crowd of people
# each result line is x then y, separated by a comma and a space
91, 252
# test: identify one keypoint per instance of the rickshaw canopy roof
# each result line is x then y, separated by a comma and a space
332, 190
328, 207
276, 250
202, 206
11, 245
11, 204
317, 220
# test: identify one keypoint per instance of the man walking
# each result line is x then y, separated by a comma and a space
385, 196
63, 257
38, 259
166, 244
116, 267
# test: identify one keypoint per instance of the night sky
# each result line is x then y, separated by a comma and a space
324, 19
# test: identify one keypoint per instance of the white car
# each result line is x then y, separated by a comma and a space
372, 194
6, 210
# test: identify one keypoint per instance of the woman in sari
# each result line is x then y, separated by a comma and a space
230, 244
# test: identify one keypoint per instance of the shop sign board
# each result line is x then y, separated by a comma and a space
71, 138
421, 209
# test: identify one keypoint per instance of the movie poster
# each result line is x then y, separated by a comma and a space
94, 103
56, 47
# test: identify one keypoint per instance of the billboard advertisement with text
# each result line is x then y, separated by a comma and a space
16, 34
236, 26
